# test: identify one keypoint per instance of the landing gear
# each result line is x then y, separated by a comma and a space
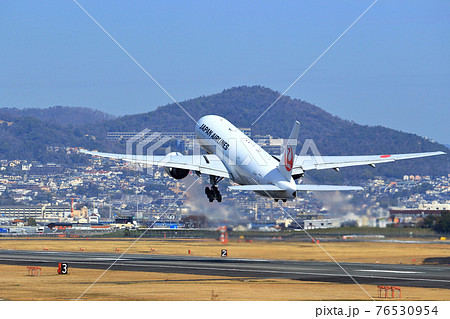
214, 193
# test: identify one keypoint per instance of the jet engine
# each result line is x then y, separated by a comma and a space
177, 173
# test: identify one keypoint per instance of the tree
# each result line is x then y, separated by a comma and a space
443, 223
440, 224
428, 222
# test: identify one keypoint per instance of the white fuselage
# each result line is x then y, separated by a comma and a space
246, 161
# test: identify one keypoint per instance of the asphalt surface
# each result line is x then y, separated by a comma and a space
429, 276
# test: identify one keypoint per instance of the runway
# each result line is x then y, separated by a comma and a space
429, 276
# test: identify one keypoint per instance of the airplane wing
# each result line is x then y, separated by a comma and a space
302, 187
326, 188
206, 164
308, 162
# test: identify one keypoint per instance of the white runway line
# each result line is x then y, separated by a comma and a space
393, 271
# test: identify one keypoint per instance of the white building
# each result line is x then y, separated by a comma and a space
320, 223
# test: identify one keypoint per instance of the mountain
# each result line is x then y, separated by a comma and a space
62, 115
242, 106
29, 138
332, 135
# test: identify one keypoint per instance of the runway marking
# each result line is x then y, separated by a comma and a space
110, 259
246, 270
280, 272
394, 271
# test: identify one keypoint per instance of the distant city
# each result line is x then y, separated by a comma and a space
107, 195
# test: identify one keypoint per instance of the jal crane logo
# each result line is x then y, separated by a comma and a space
289, 158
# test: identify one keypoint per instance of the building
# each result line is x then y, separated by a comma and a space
38, 212
405, 217
120, 136
186, 138
320, 223
269, 144
247, 131
435, 206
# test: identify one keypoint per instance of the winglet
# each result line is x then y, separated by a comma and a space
288, 155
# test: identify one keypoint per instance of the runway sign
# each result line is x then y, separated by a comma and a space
63, 268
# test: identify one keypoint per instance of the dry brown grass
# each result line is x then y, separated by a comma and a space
368, 252
124, 285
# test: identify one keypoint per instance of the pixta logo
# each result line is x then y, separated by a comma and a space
150, 142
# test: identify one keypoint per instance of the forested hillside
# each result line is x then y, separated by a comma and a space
61, 115
241, 106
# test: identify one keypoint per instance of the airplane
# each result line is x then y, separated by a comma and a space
233, 155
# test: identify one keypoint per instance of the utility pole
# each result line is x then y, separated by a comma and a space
110, 213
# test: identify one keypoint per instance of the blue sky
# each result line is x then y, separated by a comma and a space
392, 68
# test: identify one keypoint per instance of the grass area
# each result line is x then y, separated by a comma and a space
368, 252
123, 285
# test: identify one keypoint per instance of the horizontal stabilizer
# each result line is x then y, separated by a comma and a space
298, 187
255, 188
328, 188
